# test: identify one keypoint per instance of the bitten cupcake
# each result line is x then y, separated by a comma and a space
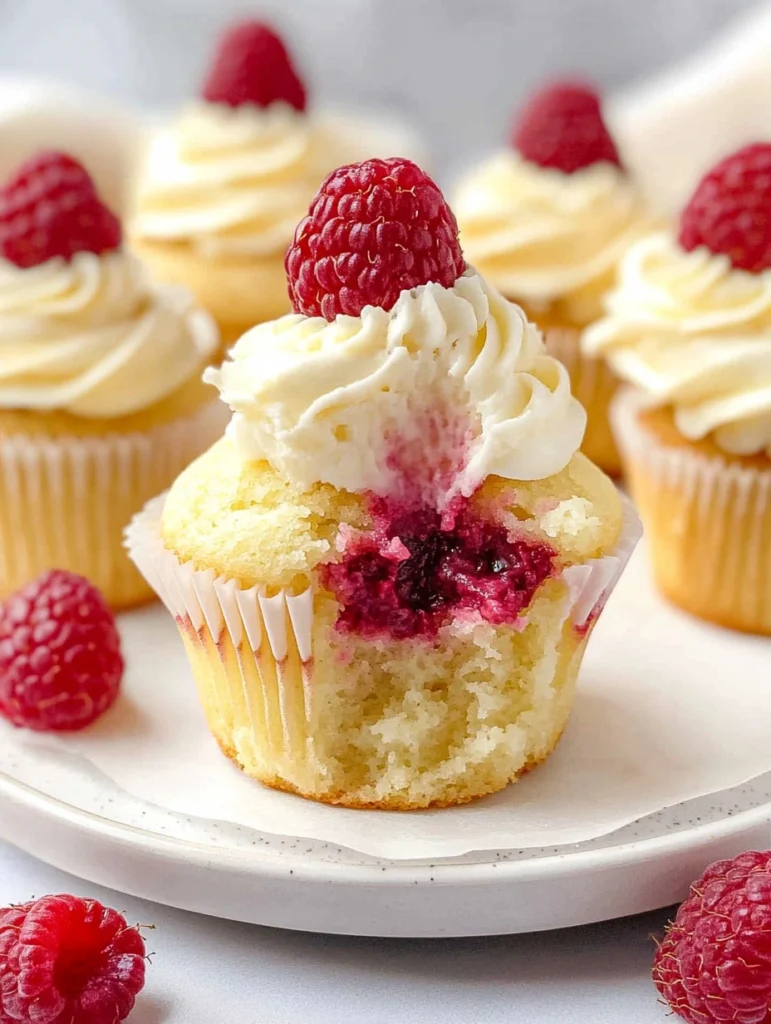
386, 573
101, 401
546, 221
227, 182
689, 326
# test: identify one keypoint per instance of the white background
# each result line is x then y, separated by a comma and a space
456, 67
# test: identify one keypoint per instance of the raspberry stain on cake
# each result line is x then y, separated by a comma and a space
420, 569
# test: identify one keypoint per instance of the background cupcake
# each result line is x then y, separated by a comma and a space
226, 184
386, 573
101, 402
547, 221
690, 327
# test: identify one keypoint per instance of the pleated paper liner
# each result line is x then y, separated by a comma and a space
252, 653
707, 521
65, 501
594, 384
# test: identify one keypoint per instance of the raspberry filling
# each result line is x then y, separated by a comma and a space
419, 569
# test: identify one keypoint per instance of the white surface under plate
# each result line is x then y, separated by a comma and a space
63, 810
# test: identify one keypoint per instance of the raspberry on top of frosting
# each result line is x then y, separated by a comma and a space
401, 364
252, 65
83, 328
730, 211
50, 208
374, 230
562, 127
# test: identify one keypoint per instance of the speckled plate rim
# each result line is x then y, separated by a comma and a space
567, 860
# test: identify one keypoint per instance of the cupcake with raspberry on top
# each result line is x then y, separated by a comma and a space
101, 398
689, 327
386, 573
547, 221
226, 183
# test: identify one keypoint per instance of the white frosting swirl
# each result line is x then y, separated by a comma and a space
92, 338
692, 332
446, 368
541, 235
238, 180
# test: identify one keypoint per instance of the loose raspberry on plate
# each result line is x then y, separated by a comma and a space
252, 65
562, 127
730, 211
714, 964
50, 208
65, 960
374, 229
60, 658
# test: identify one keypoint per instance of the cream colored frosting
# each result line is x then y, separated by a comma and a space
451, 379
692, 332
541, 235
91, 337
238, 180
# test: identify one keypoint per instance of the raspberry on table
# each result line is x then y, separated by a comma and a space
49, 208
374, 229
562, 127
252, 65
66, 960
714, 963
730, 211
60, 658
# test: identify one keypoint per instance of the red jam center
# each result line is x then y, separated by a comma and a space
419, 569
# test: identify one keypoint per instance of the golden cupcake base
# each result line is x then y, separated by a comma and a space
707, 518
66, 497
378, 722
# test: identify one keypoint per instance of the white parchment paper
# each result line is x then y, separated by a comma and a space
668, 709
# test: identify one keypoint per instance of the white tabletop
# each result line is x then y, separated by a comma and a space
206, 971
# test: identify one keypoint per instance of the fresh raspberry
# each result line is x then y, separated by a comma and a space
252, 65
714, 964
373, 230
562, 127
50, 208
60, 659
730, 212
64, 960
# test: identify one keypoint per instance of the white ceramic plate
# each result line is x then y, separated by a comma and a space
227, 871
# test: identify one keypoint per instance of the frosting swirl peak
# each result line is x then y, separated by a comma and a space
451, 385
692, 332
542, 235
91, 337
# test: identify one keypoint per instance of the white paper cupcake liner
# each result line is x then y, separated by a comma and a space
284, 619
709, 522
64, 501
593, 384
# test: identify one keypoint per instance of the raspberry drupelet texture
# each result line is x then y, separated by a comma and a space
50, 208
562, 127
714, 964
730, 211
419, 569
65, 960
60, 658
252, 65
374, 229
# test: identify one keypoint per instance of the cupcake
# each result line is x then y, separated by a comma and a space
386, 573
101, 401
227, 182
546, 221
689, 327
